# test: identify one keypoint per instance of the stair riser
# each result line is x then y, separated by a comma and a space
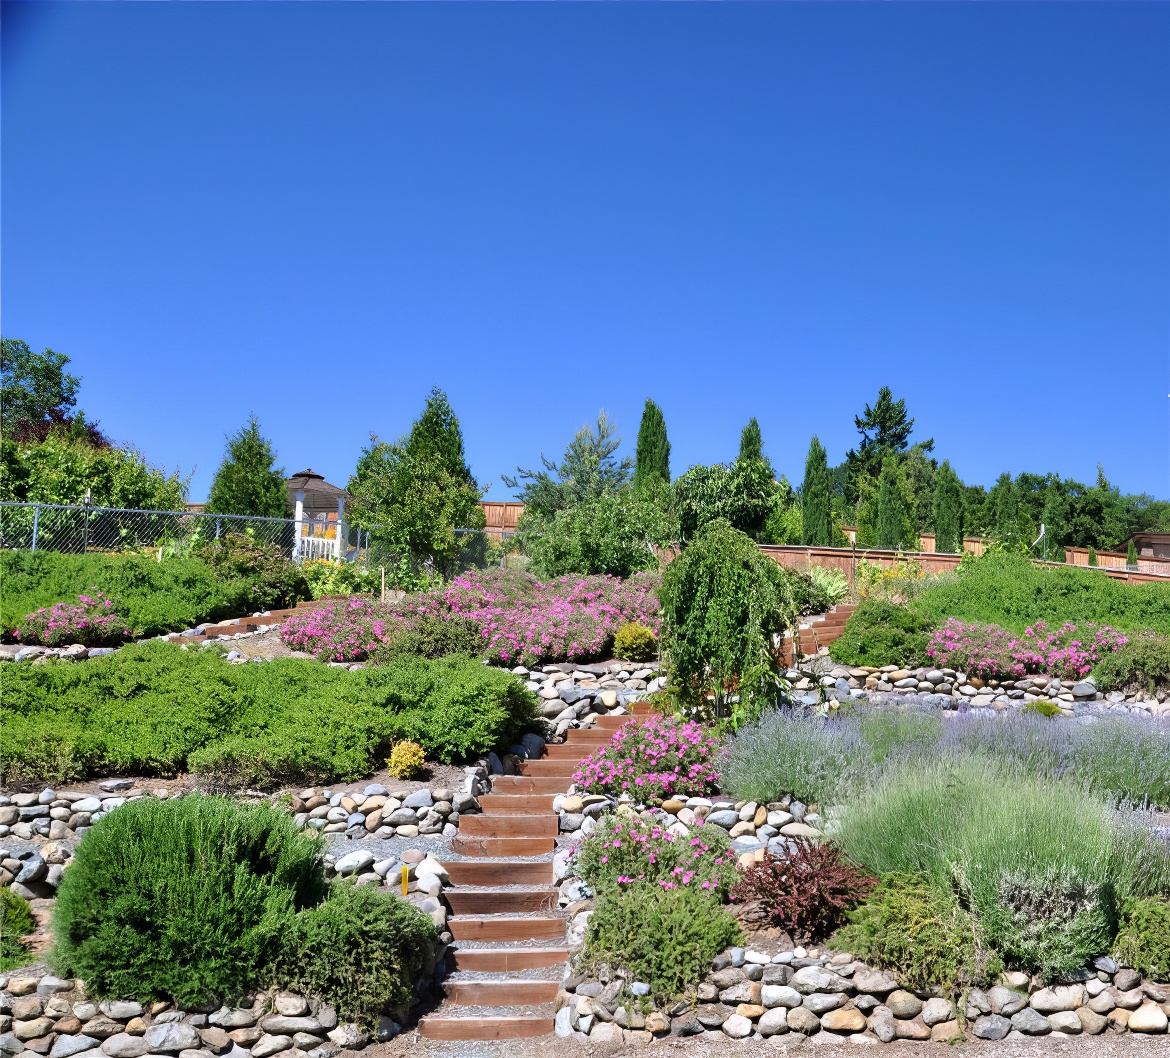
516, 805
505, 929
547, 769
525, 784
493, 903
542, 826
462, 872
574, 751
433, 1028
501, 993
505, 960
496, 847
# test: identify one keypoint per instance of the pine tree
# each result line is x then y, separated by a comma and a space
1004, 502
1131, 555
751, 441
816, 498
652, 456
948, 510
247, 482
1092, 555
891, 510
436, 434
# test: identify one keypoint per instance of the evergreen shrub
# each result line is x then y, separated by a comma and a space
16, 921
635, 642
1142, 664
880, 633
1143, 939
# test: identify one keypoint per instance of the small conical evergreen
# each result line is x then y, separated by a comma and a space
948, 510
652, 456
247, 482
436, 434
891, 510
816, 514
751, 441
1131, 555
1092, 555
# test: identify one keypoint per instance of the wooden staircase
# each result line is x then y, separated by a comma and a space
820, 631
503, 902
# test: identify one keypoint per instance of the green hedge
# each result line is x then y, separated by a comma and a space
879, 633
203, 900
156, 708
154, 597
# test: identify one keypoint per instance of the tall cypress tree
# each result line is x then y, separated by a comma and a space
816, 515
948, 510
891, 511
1131, 555
751, 441
436, 434
1004, 502
247, 482
652, 457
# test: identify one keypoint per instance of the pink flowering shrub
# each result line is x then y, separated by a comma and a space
989, 651
92, 622
347, 630
623, 852
652, 759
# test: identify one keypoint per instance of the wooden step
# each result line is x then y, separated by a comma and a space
528, 784
542, 826
505, 960
478, 1028
498, 872
547, 768
571, 751
588, 736
493, 847
498, 901
500, 804
611, 723
488, 927
502, 993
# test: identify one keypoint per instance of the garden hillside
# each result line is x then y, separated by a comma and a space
157, 709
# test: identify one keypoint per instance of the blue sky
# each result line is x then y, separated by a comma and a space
317, 212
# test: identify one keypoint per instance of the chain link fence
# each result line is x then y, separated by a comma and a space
83, 528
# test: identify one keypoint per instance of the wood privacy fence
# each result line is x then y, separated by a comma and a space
845, 559
1079, 556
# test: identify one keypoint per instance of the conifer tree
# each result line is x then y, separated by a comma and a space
751, 441
1004, 501
436, 435
652, 456
816, 498
247, 482
891, 510
1092, 555
1131, 555
948, 510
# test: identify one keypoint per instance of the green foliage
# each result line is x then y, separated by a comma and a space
723, 601
325, 577
832, 583
892, 525
918, 928
879, 633
412, 495
816, 498
247, 482
751, 445
184, 900
1144, 662
1042, 707
1143, 939
153, 596
588, 470
618, 534
34, 387
360, 950
665, 937
635, 642
154, 708
652, 455
1092, 556
743, 494
16, 921
948, 511
61, 468
1008, 590
1131, 556
898, 731
429, 636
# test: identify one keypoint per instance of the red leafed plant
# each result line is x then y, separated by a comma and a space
808, 893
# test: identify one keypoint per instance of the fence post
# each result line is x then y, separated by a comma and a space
36, 525
217, 528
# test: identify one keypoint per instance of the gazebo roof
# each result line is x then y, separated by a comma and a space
318, 492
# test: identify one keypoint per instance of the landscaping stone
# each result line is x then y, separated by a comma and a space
904, 1005
1031, 1022
1149, 1017
991, 1027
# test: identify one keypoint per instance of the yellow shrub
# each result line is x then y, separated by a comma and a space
406, 760
635, 642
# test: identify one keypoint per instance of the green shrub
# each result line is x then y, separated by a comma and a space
155, 708
184, 900
432, 637
635, 642
1143, 941
1142, 664
832, 582
665, 937
880, 633
891, 732
917, 927
16, 921
325, 577
360, 950
1042, 707
153, 596
723, 601
273, 581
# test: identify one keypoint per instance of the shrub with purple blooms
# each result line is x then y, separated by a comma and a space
653, 759
347, 630
91, 622
988, 651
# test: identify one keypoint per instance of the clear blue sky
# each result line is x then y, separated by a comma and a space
318, 211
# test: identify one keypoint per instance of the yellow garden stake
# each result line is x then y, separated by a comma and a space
405, 873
